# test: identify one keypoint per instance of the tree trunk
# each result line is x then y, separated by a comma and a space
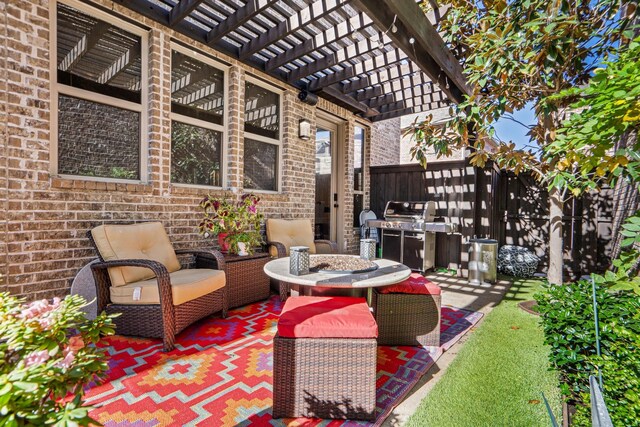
556, 244
550, 122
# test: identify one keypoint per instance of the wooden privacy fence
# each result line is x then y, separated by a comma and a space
500, 205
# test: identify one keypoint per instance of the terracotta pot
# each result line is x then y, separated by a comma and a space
222, 241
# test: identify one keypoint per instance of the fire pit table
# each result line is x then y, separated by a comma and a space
338, 282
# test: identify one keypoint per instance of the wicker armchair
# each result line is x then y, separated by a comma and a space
284, 233
156, 293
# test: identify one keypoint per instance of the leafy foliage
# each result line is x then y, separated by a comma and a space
608, 108
48, 357
569, 326
624, 275
514, 53
240, 219
195, 155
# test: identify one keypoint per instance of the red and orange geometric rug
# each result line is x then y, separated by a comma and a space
220, 373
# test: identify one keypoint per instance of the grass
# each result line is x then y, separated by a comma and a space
499, 375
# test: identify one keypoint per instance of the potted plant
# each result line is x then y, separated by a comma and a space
50, 357
236, 223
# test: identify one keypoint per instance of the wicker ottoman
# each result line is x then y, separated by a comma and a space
317, 375
408, 313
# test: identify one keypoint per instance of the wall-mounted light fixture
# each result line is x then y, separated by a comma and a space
308, 97
304, 129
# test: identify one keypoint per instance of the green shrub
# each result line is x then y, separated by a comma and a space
47, 358
569, 326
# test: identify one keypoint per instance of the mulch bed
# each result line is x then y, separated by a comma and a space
530, 307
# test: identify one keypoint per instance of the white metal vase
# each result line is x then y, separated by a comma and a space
242, 249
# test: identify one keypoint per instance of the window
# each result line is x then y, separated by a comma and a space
262, 137
100, 69
358, 174
197, 125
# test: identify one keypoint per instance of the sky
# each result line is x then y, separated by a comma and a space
510, 130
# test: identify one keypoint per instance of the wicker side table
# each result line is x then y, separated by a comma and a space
246, 280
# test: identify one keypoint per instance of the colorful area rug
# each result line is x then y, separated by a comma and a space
220, 373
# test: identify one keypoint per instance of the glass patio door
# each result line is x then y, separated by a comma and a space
326, 194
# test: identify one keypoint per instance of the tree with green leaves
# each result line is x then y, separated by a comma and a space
599, 146
515, 53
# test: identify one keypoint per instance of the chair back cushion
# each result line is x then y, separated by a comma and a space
290, 232
146, 240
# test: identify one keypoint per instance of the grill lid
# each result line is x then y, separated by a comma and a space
413, 211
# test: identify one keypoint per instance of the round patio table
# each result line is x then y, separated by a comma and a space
338, 283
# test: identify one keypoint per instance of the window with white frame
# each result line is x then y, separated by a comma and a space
358, 174
261, 137
100, 91
197, 120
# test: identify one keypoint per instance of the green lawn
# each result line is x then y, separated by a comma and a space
499, 375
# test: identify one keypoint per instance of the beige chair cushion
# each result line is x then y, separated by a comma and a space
323, 248
146, 240
290, 232
186, 285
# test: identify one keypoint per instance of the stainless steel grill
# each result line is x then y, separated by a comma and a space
408, 233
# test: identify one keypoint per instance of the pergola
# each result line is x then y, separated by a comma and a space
379, 59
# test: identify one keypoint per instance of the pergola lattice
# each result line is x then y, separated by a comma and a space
378, 58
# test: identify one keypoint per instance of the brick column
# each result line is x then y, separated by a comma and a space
4, 164
235, 134
159, 113
298, 158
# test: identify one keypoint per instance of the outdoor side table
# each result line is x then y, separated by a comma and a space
246, 280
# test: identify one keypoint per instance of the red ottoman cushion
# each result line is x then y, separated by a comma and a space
326, 317
414, 284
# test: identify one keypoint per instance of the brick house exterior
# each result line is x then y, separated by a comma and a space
407, 141
44, 217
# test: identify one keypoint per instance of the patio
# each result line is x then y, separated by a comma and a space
201, 121
400, 383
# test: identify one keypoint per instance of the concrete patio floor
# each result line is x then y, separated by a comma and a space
457, 292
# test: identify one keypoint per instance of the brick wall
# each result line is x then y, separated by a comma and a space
45, 217
4, 146
408, 141
385, 143
97, 139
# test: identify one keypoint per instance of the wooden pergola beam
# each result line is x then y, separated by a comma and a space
349, 102
427, 50
148, 9
314, 11
341, 31
241, 15
342, 57
371, 92
396, 71
416, 102
331, 79
182, 10
416, 85
390, 81
405, 111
